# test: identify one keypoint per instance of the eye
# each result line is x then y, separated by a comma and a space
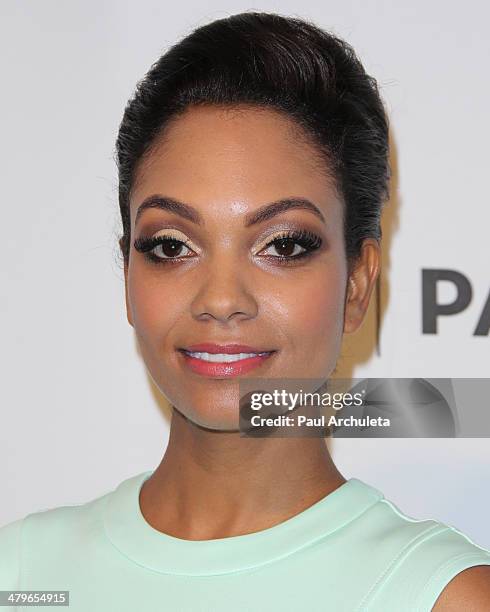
293, 245
162, 248
289, 247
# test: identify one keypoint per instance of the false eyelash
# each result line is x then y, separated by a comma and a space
146, 245
306, 239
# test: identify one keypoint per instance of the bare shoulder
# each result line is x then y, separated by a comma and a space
469, 591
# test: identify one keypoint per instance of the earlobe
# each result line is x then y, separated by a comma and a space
360, 285
126, 296
352, 317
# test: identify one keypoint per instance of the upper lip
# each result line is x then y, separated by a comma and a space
227, 349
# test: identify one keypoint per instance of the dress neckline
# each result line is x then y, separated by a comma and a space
134, 537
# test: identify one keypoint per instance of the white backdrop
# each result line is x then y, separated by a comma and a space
78, 412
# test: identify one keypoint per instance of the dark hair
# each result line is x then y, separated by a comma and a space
286, 64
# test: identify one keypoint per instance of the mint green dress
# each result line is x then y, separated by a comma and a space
351, 551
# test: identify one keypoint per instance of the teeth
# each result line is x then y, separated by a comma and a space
221, 357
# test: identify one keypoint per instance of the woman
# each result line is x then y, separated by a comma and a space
253, 165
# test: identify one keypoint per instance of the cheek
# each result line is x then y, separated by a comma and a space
322, 311
312, 318
155, 306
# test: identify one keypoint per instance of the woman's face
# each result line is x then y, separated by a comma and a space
228, 284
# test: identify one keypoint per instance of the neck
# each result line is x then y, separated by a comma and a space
216, 484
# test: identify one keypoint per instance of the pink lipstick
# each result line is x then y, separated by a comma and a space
224, 360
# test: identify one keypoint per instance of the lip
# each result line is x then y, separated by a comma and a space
227, 349
224, 369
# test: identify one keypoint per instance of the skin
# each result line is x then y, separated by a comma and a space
227, 163
469, 591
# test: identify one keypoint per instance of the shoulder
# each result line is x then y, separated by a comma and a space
468, 590
432, 561
9, 554
46, 534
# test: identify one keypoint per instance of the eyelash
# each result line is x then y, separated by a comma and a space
307, 240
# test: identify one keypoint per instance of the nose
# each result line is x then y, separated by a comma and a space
222, 295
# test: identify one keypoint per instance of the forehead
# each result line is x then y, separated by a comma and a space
242, 155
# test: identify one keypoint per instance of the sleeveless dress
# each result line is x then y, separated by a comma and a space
351, 551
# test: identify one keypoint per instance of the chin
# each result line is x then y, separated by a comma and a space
218, 410
217, 419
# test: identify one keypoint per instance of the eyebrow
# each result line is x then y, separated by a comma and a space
265, 212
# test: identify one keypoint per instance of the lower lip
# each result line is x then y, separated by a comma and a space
224, 369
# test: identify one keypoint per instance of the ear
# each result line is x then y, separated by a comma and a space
360, 284
126, 292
